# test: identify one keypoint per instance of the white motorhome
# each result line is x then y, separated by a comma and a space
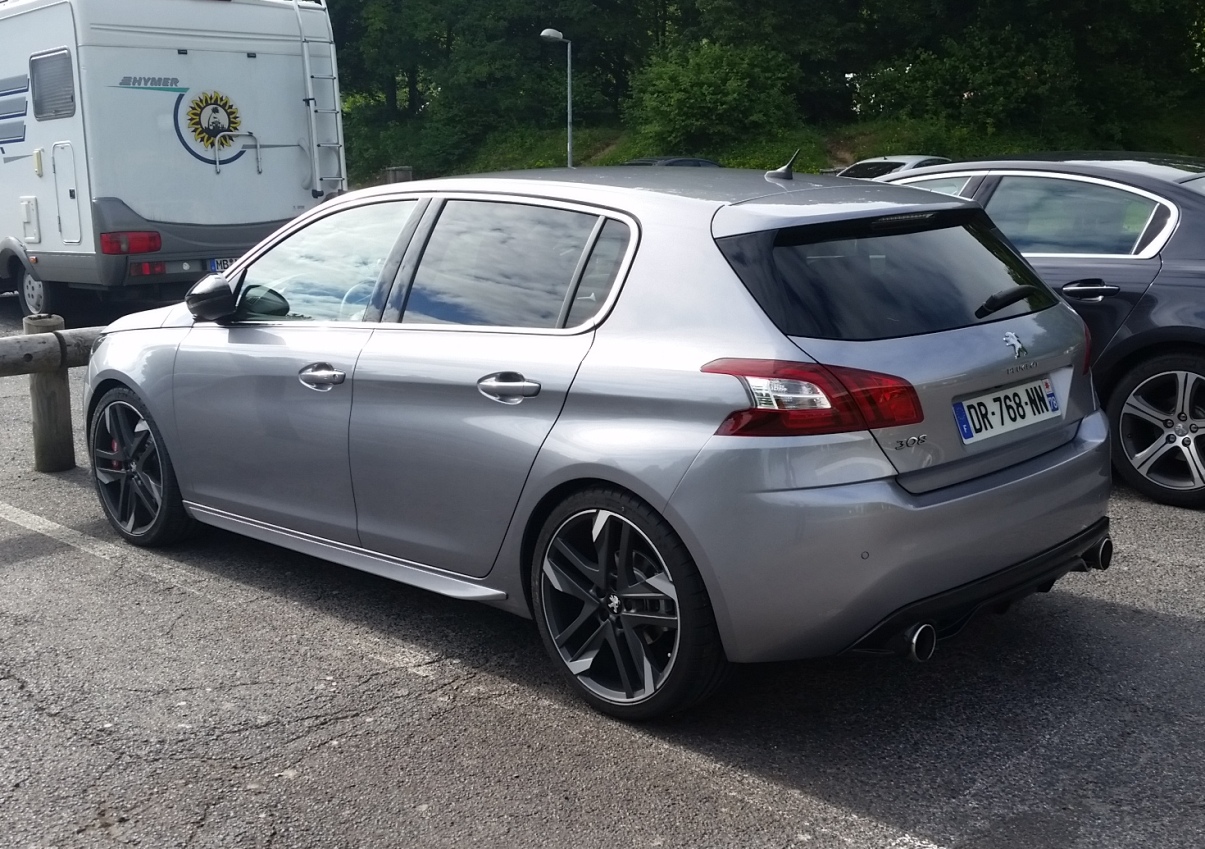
144, 143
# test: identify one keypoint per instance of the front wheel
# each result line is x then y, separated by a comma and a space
133, 474
1157, 417
622, 609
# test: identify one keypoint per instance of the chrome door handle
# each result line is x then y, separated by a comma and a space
1089, 290
321, 377
507, 387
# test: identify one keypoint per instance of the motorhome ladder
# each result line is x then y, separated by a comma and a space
328, 164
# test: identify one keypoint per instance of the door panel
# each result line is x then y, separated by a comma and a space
63, 158
255, 439
1125, 282
1065, 227
438, 463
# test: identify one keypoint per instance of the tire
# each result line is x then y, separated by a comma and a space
636, 638
133, 474
1157, 419
39, 297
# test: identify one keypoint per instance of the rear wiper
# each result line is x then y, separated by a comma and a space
1002, 299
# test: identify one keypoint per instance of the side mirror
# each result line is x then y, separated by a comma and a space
211, 298
261, 301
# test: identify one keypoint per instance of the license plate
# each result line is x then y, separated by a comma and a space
220, 264
1005, 410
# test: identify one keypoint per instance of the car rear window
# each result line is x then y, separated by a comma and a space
883, 278
867, 170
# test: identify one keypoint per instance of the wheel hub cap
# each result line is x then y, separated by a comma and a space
613, 603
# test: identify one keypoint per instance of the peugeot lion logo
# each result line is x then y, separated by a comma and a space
1011, 340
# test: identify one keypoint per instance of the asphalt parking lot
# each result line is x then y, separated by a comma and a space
229, 693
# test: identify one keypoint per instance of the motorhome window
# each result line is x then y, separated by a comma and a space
53, 86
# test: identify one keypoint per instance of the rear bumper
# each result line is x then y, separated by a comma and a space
948, 612
797, 573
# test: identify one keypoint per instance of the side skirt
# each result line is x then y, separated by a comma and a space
396, 569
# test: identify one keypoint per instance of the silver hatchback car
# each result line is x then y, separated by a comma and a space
680, 419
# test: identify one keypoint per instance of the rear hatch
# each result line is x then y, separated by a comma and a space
933, 297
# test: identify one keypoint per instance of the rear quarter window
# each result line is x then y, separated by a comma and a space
856, 281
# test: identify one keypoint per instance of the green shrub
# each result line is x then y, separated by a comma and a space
984, 81
709, 95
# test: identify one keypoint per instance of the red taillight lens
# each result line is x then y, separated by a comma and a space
145, 269
1087, 350
793, 399
136, 242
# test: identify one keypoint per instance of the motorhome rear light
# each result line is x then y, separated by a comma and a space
133, 242
795, 399
146, 269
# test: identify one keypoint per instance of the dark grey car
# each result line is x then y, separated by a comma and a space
1122, 237
679, 422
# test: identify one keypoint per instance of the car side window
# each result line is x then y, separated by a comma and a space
326, 271
942, 185
1043, 215
498, 264
601, 270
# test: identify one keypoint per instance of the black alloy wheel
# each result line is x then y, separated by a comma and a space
133, 475
622, 608
1157, 416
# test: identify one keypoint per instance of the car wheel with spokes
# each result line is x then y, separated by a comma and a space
622, 609
1157, 415
133, 475
38, 297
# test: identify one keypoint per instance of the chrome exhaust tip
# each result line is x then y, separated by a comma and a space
921, 640
1101, 555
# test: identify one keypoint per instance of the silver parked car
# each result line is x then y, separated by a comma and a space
678, 422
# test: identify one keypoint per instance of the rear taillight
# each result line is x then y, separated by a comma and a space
146, 269
794, 399
134, 242
1087, 350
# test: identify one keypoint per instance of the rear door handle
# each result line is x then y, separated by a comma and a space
507, 387
321, 377
1089, 290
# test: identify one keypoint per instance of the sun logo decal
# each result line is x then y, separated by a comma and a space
210, 115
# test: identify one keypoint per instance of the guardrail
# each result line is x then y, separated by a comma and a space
45, 353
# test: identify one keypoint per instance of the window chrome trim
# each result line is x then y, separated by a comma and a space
1149, 252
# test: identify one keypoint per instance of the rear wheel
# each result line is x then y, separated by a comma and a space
38, 296
133, 475
1157, 416
622, 608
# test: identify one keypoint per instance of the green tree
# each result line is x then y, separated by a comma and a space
710, 94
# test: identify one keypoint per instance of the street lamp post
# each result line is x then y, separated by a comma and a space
556, 36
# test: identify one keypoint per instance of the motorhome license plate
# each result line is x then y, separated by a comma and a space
221, 264
1004, 410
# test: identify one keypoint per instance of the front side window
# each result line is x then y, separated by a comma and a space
497, 264
326, 271
1045, 215
52, 85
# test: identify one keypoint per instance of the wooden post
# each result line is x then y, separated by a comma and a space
50, 396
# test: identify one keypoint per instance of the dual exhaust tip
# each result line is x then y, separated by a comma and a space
920, 641
1100, 555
